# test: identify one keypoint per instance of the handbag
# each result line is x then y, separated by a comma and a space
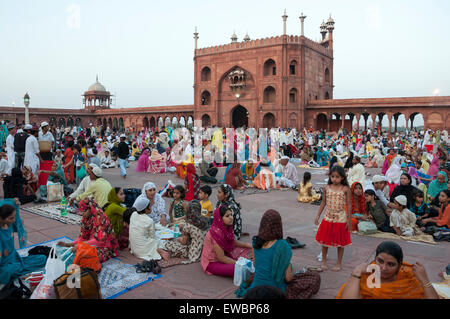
81, 172
54, 268
242, 271
367, 227
10, 291
87, 281
86, 257
55, 192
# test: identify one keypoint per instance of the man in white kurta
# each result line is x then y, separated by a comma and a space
32, 153
289, 173
10, 148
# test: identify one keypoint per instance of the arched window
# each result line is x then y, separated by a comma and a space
206, 74
269, 95
206, 98
270, 68
327, 75
293, 95
327, 96
293, 67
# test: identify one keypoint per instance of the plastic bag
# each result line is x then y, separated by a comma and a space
54, 268
367, 228
242, 270
86, 257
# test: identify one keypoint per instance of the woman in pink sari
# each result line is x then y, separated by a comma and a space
434, 167
143, 162
220, 249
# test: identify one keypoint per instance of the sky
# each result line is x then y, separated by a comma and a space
142, 50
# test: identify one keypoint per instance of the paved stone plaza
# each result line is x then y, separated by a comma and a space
189, 281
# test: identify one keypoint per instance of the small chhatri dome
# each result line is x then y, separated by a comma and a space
323, 26
330, 21
246, 38
234, 37
97, 86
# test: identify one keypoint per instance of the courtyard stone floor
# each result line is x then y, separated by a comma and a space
189, 281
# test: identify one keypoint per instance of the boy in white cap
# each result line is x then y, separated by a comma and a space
289, 173
402, 220
99, 188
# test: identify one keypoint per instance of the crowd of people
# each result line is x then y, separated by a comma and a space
410, 196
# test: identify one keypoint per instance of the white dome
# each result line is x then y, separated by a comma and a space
97, 87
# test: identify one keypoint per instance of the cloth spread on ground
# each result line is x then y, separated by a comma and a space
115, 278
424, 238
52, 211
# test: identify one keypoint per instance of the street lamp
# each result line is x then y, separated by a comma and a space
26, 102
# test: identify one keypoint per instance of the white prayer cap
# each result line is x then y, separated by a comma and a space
92, 165
44, 124
378, 178
123, 135
97, 171
285, 157
141, 203
401, 199
28, 127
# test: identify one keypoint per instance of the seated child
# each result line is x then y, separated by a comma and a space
401, 219
207, 208
306, 194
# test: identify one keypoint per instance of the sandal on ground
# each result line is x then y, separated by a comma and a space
294, 243
156, 269
313, 268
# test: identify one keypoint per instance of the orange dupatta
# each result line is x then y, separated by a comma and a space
406, 286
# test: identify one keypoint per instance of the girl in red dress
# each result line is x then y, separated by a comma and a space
334, 230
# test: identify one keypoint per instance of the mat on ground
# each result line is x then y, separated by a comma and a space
115, 278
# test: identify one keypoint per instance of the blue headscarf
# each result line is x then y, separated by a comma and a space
435, 187
18, 226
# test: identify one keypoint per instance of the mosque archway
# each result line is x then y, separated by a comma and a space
239, 116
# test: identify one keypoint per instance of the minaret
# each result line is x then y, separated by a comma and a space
302, 21
330, 28
284, 22
323, 30
246, 38
234, 37
195, 37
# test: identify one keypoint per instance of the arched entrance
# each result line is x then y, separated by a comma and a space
239, 116
268, 121
145, 122
152, 122
322, 122
206, 120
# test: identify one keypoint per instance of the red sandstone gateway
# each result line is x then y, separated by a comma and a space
283, 81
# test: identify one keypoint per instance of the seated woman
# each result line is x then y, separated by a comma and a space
377, 212
219, 255
143, 241
405, 188
306, 155
401, 219
56, 175
306, 194
191, 183
13, 186
13, 266
225, 196
194, 230
157, 163
272, 256
32, 186
250, 170
96, 230
437, 185
359, 209
398, 279
158, 205
143, 162
114, 211
234, 177
443, 220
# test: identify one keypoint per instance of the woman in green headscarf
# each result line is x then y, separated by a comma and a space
114, 210
56, 175
437, 185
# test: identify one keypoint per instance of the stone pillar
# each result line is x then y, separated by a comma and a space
302, 22
343, 122
284, 16
390, 123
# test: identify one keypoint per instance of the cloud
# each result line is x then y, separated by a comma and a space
373, 17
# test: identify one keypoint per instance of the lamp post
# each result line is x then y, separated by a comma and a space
26, 102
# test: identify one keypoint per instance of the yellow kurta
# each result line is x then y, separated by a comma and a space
303, 193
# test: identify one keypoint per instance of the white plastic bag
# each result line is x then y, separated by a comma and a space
242, 270
54, 268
